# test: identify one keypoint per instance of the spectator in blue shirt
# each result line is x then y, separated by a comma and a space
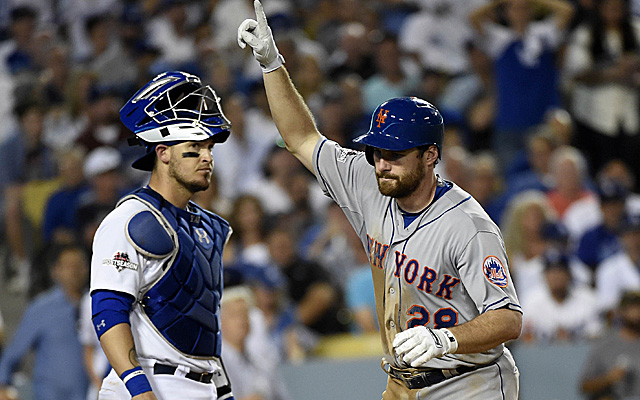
17, 54
361, 300
524, 53
48, 327
59, 218
602, 240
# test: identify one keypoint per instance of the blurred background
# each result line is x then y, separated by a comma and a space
541, 106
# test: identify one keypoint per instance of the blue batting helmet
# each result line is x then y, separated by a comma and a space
403, 123
173, 107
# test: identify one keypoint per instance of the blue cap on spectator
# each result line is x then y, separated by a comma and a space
631, 223
280, 22
23, 12
131, 16
99, 92
611, 190
555, 231
166, 4
554, 258
265, 275
144, 47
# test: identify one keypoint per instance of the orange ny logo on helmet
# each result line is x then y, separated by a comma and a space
381, 117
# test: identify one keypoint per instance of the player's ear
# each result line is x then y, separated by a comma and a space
430, 155
163, 153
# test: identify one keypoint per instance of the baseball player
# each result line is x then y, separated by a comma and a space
445, 301
156, 270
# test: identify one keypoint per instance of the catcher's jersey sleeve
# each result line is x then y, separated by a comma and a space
115, 263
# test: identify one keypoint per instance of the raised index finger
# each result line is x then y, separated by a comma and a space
262, 19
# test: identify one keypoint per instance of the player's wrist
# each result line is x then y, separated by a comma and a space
273, 65
136, 381
450, 340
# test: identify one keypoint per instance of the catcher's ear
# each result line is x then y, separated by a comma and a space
163, 153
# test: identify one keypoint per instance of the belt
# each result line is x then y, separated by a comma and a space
418, 379
161, 369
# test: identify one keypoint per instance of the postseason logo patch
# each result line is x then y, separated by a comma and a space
120, 261
344, 153
494, 271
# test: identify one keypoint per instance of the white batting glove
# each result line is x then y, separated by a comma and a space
259, 37
417, 345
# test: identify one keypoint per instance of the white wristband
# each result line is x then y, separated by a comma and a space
273, 65
452, 341
132, 375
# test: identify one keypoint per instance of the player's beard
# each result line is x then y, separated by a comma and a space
192, 185
401, 186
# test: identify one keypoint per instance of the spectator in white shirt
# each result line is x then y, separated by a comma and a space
601, 68
252, 377
621, 271
559, 310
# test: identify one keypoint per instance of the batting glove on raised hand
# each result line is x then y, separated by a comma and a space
417, 345
259, 37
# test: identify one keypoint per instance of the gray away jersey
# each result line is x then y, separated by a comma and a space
446, 268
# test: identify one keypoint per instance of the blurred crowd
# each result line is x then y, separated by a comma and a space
541, 102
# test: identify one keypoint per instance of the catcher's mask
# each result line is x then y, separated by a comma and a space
174, 107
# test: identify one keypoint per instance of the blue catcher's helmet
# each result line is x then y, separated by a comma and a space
173, 107
403, 123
